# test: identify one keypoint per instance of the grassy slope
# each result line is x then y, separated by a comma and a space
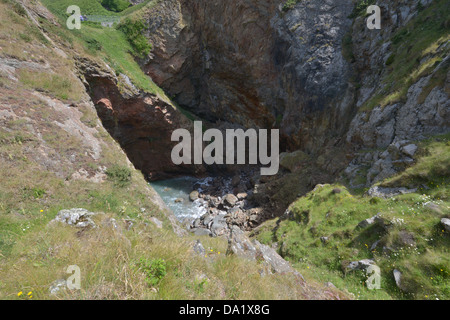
324, 213
36, 182
107, 43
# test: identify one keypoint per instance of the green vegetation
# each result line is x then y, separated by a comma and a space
347, 47
360, 8
58, 86
88, 7
289, 4
409, 234
115, 5
154, 269
120, 175
416, 52
116, 47
133, 32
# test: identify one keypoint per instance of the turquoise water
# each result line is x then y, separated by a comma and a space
180, 188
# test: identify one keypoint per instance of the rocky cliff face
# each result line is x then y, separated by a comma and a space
255, 65
314, 71
141, 122
404, 87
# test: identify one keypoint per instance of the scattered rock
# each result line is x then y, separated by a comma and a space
158, 223
128, 224
111, 222
368, 222
178, 200
254, 219
240, 245
219, 225
405, 239
433, 207
57, 286
230, 200
380, 192
193, 195
77, 217
324, 239
360, 265
409, 150
242, 196
374, 245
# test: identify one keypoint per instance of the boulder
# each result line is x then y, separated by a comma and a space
57, 286
242, 195
409, 150
230, 200
77, 217
201, 232
158, 223
193, 195
368, 221
360, 265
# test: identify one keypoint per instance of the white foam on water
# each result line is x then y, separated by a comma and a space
180, 188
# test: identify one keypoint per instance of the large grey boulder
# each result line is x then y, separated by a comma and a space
230, 200
76, 217
409, 150
360, 265
368, 222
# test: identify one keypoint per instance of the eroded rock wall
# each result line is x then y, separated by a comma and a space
141, 122
253, 64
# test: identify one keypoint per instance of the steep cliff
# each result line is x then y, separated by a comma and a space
256, 65
315, 70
